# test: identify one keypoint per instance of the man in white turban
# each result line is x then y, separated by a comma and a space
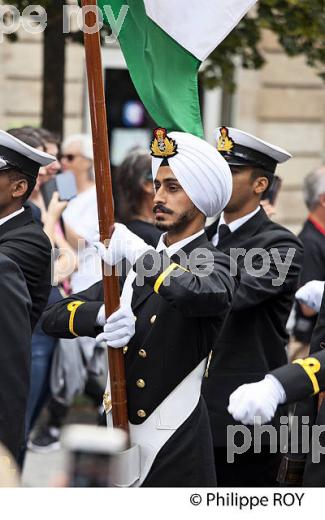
179, 294
201, 171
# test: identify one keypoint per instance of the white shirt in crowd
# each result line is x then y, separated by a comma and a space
82, 217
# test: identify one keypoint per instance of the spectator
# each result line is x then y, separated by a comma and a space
135, 193
81, 217
313, 239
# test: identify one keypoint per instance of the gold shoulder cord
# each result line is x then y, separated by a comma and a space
164, 275
72, 308
311, 366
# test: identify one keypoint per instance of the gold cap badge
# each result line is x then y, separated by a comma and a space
225, 143
162, 145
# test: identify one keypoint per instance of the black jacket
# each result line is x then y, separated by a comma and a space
253, 338
303, 382
23, 241
25, 282
14, 352
176, 328
313, 268
188, 315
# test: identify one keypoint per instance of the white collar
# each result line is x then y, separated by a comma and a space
171, 250
12, 215
233, 225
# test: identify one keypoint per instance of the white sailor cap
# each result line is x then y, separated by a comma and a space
16, 154
240, 149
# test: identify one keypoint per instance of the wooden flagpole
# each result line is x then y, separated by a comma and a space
105, 201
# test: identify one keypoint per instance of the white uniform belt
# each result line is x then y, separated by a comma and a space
150, 436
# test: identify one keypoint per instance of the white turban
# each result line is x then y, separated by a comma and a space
201, 171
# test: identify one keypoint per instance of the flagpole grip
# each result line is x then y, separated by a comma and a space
104, 198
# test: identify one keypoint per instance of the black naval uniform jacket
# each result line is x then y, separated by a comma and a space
253, 339
176, 328
15, 342
303, 381
24, 242
25, 273
313, 268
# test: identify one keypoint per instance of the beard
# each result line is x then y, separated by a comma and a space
180, 224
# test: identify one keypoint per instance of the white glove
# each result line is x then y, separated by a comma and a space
101, 317
311, 294
123, 244
257, 400
119, 328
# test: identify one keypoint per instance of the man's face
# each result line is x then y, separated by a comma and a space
245, 188
5, 190
172, 207
9, 191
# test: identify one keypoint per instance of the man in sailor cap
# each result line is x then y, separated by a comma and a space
254, 337
25, 281
180, 294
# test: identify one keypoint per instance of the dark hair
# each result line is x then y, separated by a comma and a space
17, 175
49, 137
134, 171
259, 172
35, 137
28, 135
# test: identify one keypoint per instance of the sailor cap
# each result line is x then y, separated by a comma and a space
16, 154
243, 149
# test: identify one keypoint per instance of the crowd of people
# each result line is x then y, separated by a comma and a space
192, 332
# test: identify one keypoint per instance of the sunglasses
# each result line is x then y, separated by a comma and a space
70, 156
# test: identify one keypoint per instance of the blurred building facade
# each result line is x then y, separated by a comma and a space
283, 103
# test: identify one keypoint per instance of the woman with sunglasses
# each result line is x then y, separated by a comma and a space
80, 218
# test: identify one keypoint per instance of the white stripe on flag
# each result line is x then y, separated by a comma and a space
197, 25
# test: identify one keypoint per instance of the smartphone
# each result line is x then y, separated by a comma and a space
272, 193
91, 452
64, 183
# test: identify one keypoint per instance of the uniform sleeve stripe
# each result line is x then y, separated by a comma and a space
311, 366
72, 308
164, 275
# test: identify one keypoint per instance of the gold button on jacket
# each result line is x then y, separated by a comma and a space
141, 413
141, 383
125, 349
153, 319
142, 353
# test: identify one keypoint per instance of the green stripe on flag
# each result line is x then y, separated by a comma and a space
164, 74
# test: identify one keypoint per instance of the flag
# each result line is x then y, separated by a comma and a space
164, 43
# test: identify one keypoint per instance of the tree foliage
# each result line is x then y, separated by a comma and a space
298, 24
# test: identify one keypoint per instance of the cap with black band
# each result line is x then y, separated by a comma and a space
243, 149
15, 154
